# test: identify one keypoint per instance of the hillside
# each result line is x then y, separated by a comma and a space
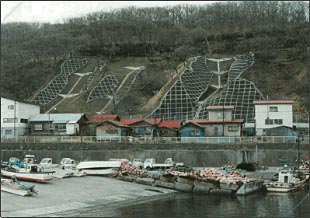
31, 54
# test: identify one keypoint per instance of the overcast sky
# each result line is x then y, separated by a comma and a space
56, 11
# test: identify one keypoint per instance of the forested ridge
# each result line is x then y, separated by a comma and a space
276, 32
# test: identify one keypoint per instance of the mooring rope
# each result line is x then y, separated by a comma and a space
307, 195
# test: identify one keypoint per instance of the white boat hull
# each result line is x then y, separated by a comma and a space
9, 186
31, 177
282, 187
100, 172
16, 192
99, 168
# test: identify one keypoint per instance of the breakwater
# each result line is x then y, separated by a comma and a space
191, 154
190, 184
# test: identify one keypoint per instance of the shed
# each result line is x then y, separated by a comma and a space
280, 131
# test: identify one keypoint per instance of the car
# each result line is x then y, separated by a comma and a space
138, 163
67, 163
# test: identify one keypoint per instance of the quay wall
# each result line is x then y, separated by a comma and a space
190, 154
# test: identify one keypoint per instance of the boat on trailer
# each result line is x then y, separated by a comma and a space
30, 173
13, 186
288, 181
99, 168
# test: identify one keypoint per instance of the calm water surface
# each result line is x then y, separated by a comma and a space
198, 205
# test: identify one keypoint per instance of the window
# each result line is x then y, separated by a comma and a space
268, 122
8, 132
274, 121
194, 133
278, 121
23, 120
138, 131
148, 130
112, 132
10, 120
219, 115
233, 128
10, 107
37, 126
61, 127
273, 109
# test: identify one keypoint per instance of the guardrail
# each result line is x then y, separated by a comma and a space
139, 140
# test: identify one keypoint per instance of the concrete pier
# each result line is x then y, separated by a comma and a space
76, 195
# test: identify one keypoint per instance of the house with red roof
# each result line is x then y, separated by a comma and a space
112, 130
169, 128
98, 119
142, 127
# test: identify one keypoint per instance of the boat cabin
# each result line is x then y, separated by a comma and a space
286, 176
32, 168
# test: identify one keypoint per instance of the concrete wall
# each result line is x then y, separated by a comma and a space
191, 154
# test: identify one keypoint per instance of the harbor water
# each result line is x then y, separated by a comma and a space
296, 204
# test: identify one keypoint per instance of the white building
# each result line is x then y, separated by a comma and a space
274, 113
15, 115
56, 124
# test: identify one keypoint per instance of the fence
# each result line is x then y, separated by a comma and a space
129, 139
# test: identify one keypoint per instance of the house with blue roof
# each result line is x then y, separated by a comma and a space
58, 124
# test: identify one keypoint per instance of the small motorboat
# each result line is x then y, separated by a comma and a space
99, 168
15, 187
288, 181
30, 173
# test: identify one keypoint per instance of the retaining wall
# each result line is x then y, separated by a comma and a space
191, 154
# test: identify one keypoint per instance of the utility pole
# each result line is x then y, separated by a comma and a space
15, 135
223, 120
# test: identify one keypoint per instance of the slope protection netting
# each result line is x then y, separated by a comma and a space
239, 93
241, 64
197, 81
104, 89
179, 101
58, 83
91, 78
177, 104
182, 101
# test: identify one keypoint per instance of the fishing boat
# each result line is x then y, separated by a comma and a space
99, 168
13, 186
288, 181
30, 173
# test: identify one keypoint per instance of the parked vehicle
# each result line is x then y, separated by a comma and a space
67, 163
138, 163
150, 164
29, 159
46, 163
